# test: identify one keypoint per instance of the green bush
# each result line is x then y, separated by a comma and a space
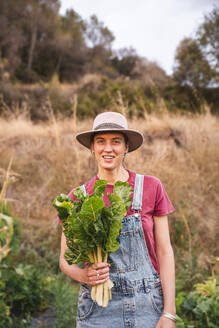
200, 307
25, 288
22, 287
107, 95
64, 298
16, 228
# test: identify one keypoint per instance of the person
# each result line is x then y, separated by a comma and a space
143, 275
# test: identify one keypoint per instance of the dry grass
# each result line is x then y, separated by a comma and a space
182, 151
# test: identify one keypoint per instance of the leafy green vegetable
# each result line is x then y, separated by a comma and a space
91, 229
123, 190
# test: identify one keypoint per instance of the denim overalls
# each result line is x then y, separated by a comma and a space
137, 299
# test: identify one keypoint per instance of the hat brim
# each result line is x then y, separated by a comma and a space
135, 138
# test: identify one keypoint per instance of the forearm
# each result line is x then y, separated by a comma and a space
91, 275
72, 271
167, 275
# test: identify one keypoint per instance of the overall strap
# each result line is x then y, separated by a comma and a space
83, 189
138, 193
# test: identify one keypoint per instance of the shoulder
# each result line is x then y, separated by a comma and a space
133, 174
152, 182
149, 180
152, 185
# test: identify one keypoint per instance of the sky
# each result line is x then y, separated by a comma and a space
154, 28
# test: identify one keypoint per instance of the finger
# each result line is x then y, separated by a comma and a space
93, 273
100, 265
102, 271
97, 282
101, 281
99, 275
103, 276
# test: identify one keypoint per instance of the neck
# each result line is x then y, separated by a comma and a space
111, 176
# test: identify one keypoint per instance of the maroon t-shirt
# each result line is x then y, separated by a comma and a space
155, 202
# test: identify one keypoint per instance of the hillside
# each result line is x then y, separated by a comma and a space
180, 150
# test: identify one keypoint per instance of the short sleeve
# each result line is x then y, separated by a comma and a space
163, 205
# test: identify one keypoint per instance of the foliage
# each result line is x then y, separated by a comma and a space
91, 229
21, 286
88, 223
64, 297
207, 36
38, 42
15, 227
124, 60
199, 308
24, 288
192, 68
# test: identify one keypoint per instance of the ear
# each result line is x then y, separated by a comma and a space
92, 148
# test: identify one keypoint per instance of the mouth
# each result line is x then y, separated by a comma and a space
108, 158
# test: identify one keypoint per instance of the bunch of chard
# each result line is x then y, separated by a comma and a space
91, 229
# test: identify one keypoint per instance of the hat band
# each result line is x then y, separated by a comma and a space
108, 125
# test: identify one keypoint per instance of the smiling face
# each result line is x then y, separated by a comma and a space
109, 149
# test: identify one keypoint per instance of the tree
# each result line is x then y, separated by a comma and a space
208, 38
124, 61
70, 46
40, 19
150, 73
192, 68
99, 41
98, 34
11, 33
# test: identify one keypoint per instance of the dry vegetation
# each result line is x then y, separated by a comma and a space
182, 151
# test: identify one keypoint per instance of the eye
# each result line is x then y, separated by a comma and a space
116, 141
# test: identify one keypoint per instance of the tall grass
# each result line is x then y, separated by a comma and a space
183, 151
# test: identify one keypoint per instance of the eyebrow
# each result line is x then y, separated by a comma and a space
120, 138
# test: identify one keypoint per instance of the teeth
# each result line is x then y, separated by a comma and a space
108, 157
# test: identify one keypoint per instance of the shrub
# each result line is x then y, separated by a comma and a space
22, 289
64, 299
199, 308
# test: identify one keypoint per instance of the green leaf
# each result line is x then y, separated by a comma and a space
64, 204
79, 193
123, 190
118, 211
91, 207
88, 223
117, 207
99, 188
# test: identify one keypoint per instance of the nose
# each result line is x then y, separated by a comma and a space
108, 147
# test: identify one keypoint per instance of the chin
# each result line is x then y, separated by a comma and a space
108, 168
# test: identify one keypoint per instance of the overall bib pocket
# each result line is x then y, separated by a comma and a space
85, 303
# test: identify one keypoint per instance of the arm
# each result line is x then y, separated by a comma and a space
167, 269
88, 275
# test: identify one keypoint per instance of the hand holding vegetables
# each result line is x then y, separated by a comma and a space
97, 273
91, 229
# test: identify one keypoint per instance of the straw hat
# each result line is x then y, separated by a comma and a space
115, 122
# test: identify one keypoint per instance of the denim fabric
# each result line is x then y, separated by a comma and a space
137, 299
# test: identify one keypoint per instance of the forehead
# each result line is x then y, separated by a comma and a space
109, 135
